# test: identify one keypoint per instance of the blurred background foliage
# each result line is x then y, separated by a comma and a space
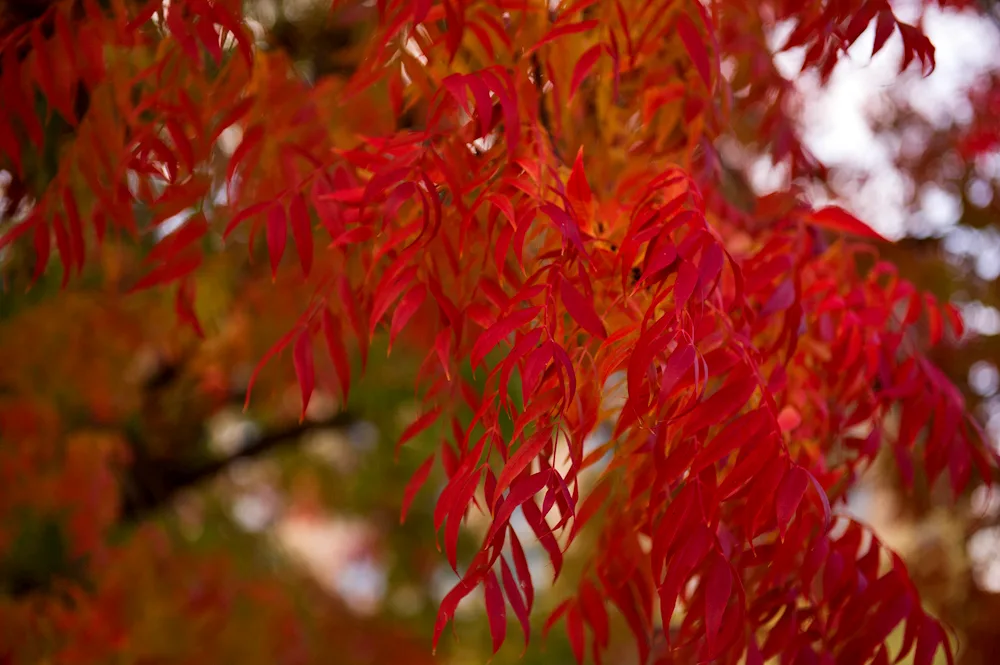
146, 518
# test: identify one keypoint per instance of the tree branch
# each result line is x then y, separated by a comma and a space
150, 485
543, 111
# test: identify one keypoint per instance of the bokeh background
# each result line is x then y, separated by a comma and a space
247, 537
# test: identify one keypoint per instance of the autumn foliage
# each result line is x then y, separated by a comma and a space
531, 193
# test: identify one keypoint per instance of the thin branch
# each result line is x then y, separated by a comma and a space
150, 486
543, 111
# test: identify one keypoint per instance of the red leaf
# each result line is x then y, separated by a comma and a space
273, 351
277, 236
64, 248
405, 310
677, 365
168, 272
521, 492
412, 487
350, 304
181, 143
935, 323
838, 219
496, 610
298, 215
418, 426
695, 47
721, 405
390, 288
581, 309
499, 330
687, 280
789, 496
190, 232
519, 461
823, 499
594, 611
562, 31
75, 228
929, 639
883, 29
523, 572
447, 609
228, 21
583, 67
251, 138
442, 346
458, 503
718, 587
332, 332
577, 187
302, 357
184, 306
734, 436
209, 38
43, 246
516, 602
574, 630
234, 115
242, 215
955, 319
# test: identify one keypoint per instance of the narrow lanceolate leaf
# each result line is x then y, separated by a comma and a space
304, 368
496, 610
301, 223
447, 608
523, 572
278, 347
519, 461
789, 496
418, 426
583, 67
841, 221
413, 486
277, 236
733, 437
513, 593
405, 310
500, 330
43, 245
561, 31
577, 187
695, 46
721, 406
184, 306
332, 333
718, 589
582, 310
171, 271
521, 492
